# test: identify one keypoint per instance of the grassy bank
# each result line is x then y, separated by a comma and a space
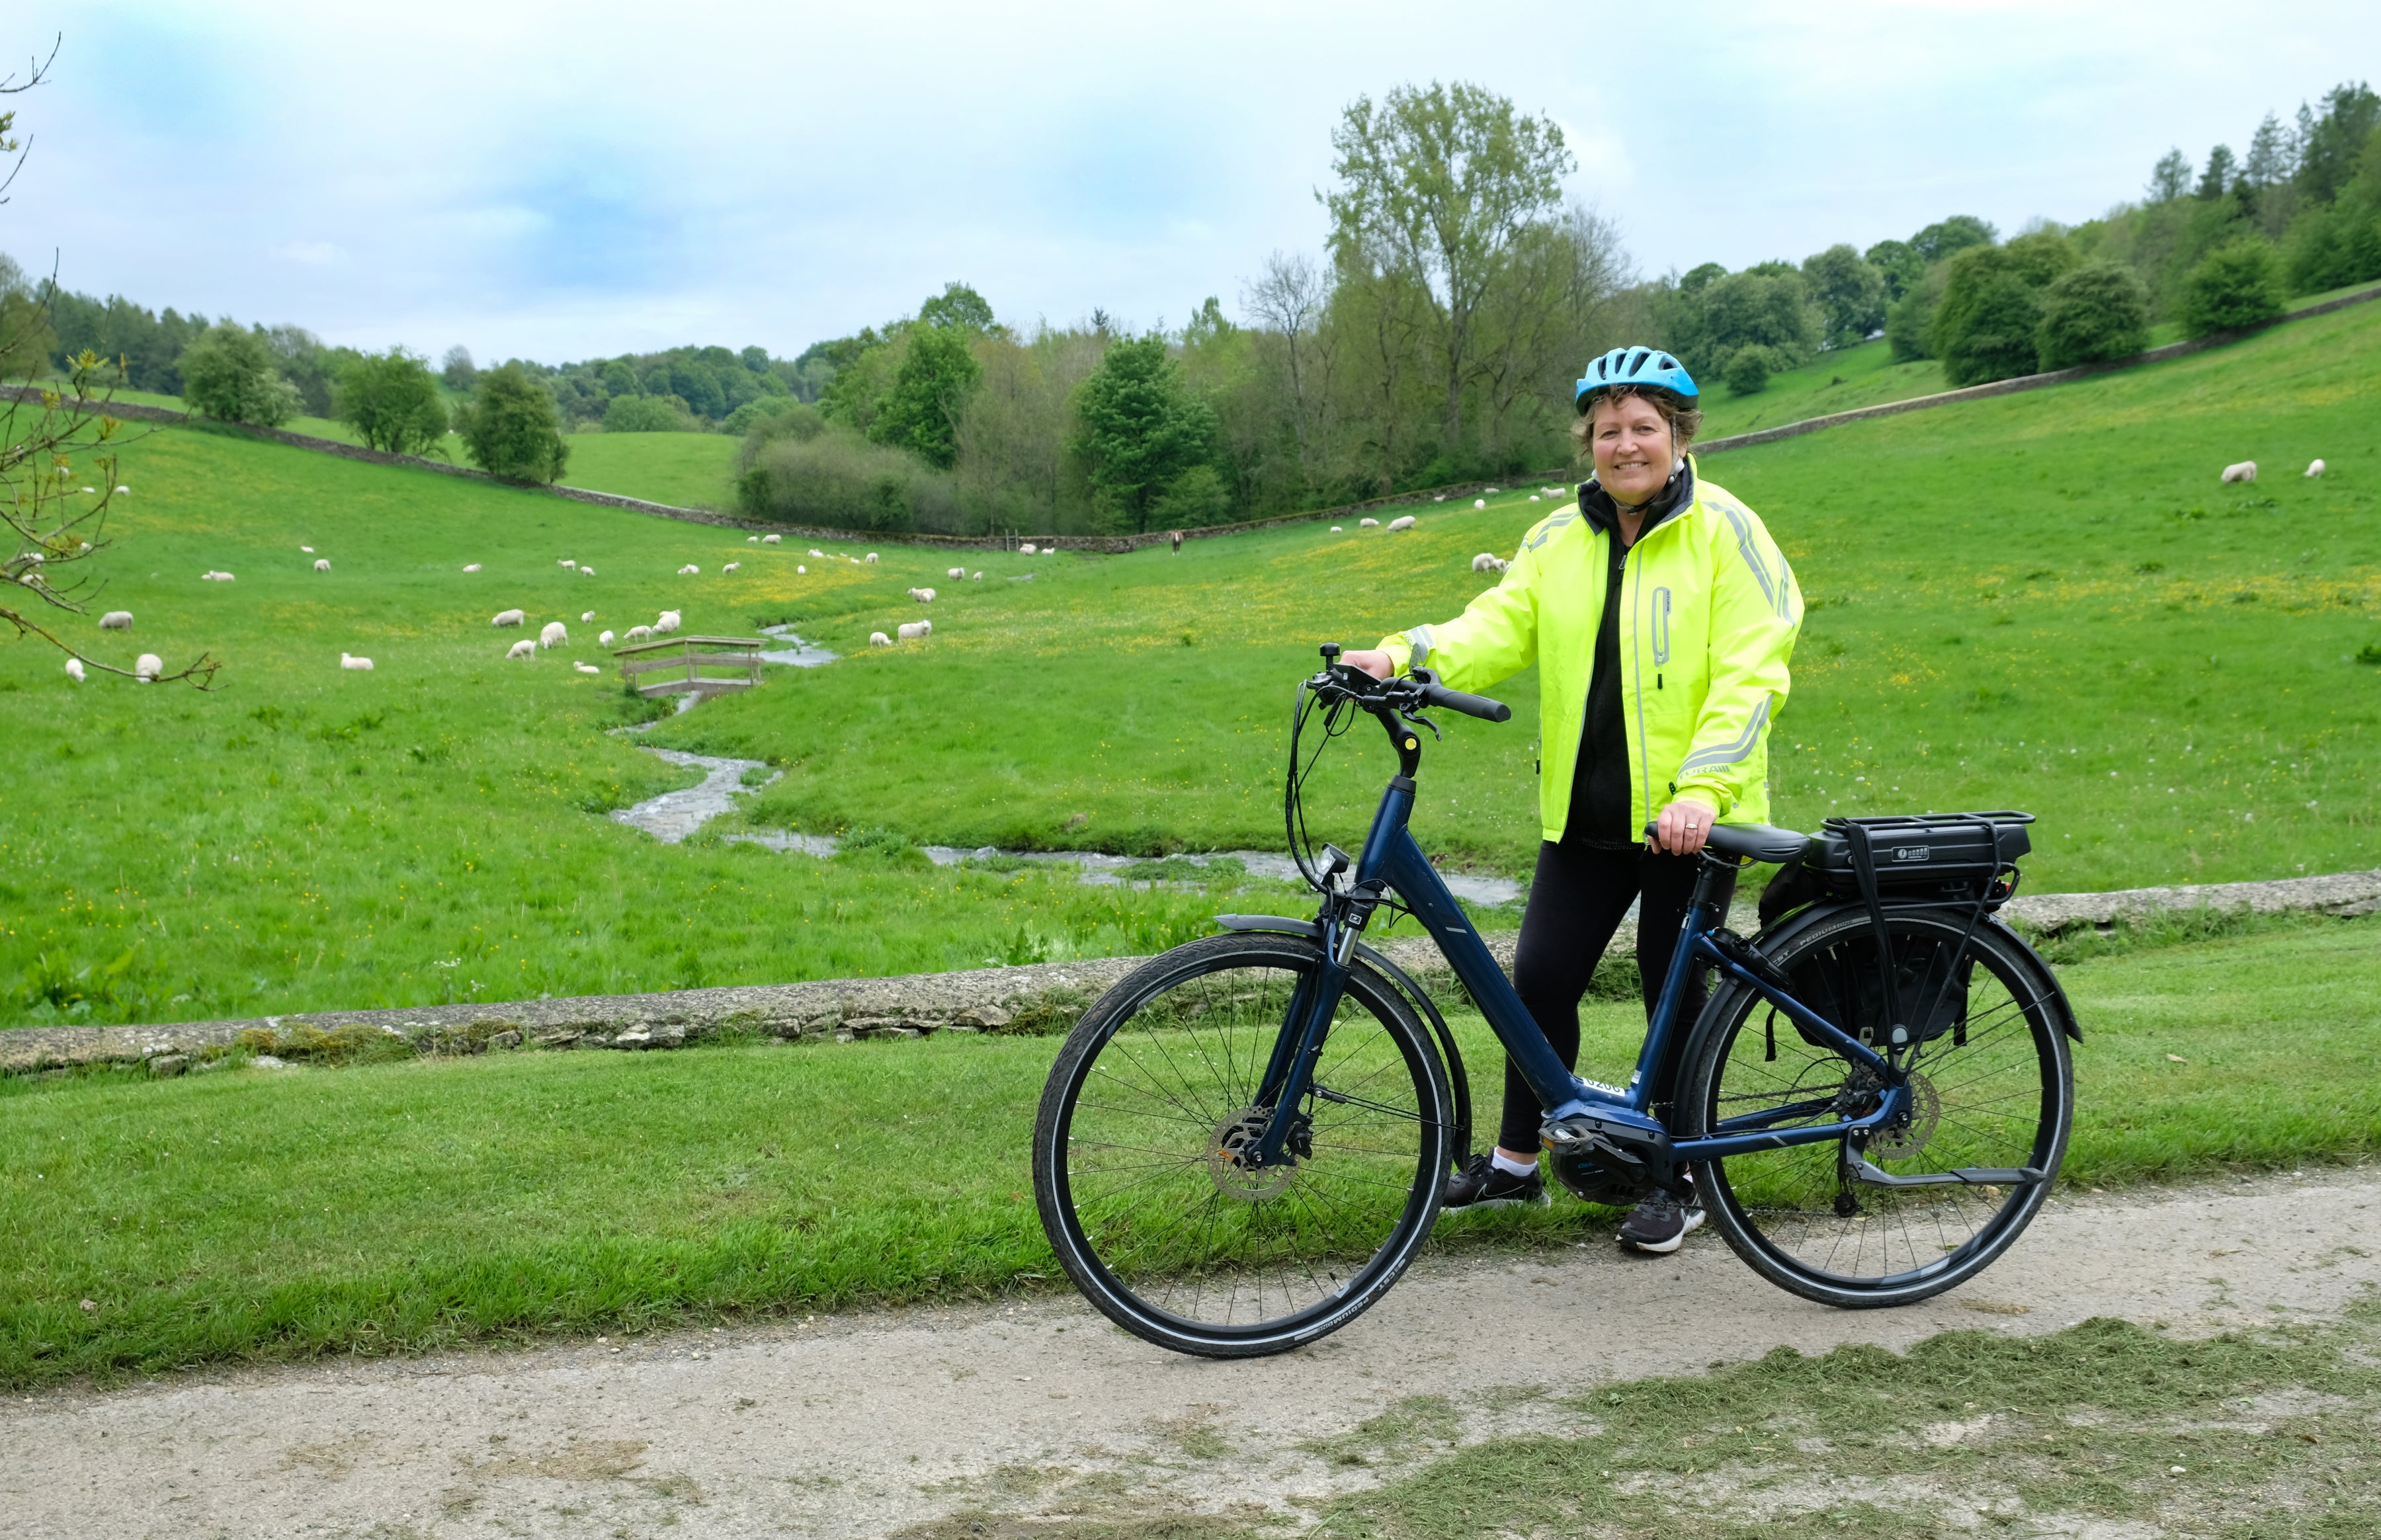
286, 1213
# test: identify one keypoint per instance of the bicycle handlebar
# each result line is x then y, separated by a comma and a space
1435, 694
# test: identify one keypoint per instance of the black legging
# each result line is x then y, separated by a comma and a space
1577, 901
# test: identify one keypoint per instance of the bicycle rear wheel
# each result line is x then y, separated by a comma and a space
1995, 1088
1134, 1167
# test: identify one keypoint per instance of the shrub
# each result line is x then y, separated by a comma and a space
1749, 370
2099, 310
649, 414
391, 401
1192, 500
1985, 327
830, 476
510, 427
741, 420
227, 373
2236, 286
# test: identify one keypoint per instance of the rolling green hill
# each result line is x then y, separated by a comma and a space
2044, 602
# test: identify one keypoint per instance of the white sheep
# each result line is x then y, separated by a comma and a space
322, 563
817, 553
2245, 471
586, 668
604, 639
1492, 492
74, 670
585, 616
521, 648
977, 578
1480, 502
751, 539
955, 572
690, 570
116, 620
2315, 469
1335, 530
307, 548
732, 566
872, 558
472, 566
554, 635
912, 631
878, 638
586, 572
360, 665
639, 634
509, 617
1484, 562
1552, 491
802, 571
1398, 524
1535, 498
148, 668
771, 540
1027, 548
215, 577
667, 623
926, 628
567, 563
1367, 524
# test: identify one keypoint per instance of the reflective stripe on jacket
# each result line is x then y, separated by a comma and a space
1705, 640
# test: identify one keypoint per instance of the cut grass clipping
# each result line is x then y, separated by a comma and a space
255, 1214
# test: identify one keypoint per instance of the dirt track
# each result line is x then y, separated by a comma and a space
863, 1424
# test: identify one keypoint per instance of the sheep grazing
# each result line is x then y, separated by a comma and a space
1398, 524
956, 572
638, 634
1492, 492
2315, 469
585, 616
1480, 502
732, 566
1535, 498
1552, 491
690, 570
771, 540
74, 670
604, 641
2245, 471
801, 572
509, 617
566, 562
751, 539
912, 631
1335, 530
214, 576
923, 595
1487, 562
1367, 524
817, 553
872, 558
472, 566
977, 578
322, 563
1440, 498
360, 665
586, 668
667, 623
1027, 550
586, 572
521, 648
554, 635
148, 668
307, 548
116, 620
878, 638
926, 627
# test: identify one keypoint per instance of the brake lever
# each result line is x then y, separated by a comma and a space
1424, 722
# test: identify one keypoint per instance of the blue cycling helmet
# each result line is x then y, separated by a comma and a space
1634, 365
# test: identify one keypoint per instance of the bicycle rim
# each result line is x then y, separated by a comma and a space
1149, 1210
1993, 1088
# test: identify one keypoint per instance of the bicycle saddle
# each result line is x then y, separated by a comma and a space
1758, 842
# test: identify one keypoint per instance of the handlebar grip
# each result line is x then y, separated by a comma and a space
1435, 694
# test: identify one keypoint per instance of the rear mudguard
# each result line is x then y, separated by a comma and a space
2047, 984
1460, 1084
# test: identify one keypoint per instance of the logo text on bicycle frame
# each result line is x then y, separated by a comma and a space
1914, 853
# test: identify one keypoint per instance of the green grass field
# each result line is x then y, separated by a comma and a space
2044, 602
286, 1213
686, 470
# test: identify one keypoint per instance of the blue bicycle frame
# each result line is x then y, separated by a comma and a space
1392, 862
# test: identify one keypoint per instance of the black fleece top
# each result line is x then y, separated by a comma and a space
1599, 785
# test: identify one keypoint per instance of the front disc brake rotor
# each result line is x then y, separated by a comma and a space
1233, 1136
1926, 1112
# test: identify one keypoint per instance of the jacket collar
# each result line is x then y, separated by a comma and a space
1677, 496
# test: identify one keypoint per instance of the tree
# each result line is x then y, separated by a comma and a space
957, 305
1946, 237
2235, 285
1749, 370
510, 428
1436, 187
457, 369
651, 414
1140, 427
306, 364
1899, 263
2097, 311
228, 374
2216, 180
1850, 292
1754, 309
1910, 321
930, 390
2271, 159
2330, 141
26, 339
391, 401
1985, 327
2170, 178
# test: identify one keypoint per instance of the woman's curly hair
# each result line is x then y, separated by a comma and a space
1683, 416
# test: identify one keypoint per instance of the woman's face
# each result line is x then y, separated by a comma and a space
1630, 442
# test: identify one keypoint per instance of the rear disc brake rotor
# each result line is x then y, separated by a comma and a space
1926, 1112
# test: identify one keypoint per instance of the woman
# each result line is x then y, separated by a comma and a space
1662, 618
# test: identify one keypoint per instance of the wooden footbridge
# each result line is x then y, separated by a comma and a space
698, 666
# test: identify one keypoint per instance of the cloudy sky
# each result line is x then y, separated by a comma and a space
566, 180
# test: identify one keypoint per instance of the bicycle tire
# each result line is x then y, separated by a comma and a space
1139, 1195
1997, 1091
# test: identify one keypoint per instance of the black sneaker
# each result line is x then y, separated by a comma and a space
1481, 1184
1660, 1222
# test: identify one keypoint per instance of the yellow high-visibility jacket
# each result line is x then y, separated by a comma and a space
1705, 640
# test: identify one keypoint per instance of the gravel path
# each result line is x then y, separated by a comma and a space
863, 1424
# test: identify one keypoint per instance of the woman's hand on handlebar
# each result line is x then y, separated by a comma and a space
1683, 828
1376, 663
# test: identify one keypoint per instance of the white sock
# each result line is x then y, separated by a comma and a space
1511, 1166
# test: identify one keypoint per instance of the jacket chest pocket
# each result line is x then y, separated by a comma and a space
1658, 619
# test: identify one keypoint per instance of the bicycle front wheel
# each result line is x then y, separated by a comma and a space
1993, 1088
1135, 1161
